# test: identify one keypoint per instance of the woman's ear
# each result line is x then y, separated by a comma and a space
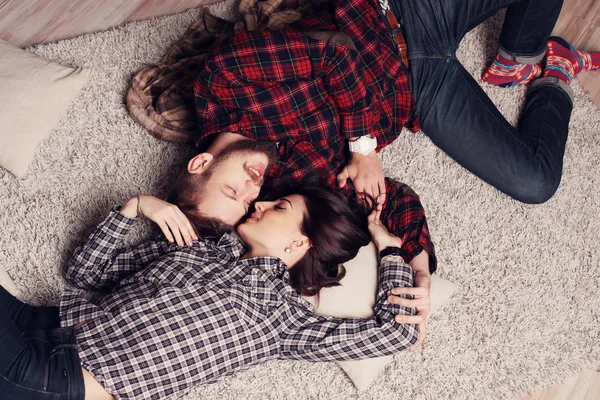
199, 163
301, 244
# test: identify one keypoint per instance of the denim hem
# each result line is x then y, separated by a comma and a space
523, 59
554, 81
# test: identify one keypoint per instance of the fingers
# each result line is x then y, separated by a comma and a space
410, 319
172, 221
179, 228
342, 177
382, 191
360, 188
415, 291
182, 232
374, 217
166, 231
422, 335
371, 217
378, 209
189, 226
185, 227
422, 302
374, 192
375, 188
174, 227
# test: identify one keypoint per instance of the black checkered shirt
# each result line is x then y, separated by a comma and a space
162, 319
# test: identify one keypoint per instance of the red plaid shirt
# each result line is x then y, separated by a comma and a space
311, 96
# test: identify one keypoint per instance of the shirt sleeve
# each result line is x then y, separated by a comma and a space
338, 339
404, 215
99, 263
266, 85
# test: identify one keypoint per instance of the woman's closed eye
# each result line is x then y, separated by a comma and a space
282, 204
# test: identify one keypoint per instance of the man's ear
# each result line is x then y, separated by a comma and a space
198, 164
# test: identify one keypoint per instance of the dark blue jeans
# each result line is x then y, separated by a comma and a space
524, 162
38, 359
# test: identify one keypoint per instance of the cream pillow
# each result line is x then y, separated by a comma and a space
34, 93
7, 283
355, 298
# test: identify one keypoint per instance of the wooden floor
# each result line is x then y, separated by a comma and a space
584, 386
27, 22
579, 23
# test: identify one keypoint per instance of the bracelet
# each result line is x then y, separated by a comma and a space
394, 251
139, 209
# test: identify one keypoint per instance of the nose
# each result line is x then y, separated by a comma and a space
263, 205
254, 183
250, 189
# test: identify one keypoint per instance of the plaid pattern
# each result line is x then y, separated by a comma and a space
161, 97
310, 96
285, 86
161, 320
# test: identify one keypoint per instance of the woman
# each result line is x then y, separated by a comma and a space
157, 319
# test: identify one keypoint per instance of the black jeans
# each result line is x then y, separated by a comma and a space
526, 162
38, 359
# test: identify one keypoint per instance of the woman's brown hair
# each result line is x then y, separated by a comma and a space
337, 228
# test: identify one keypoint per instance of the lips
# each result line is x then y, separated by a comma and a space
253, 217
256, 170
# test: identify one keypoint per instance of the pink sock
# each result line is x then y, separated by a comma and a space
565, 62
504, 72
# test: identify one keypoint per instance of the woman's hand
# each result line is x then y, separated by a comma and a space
418, 296
174, 224
379, 233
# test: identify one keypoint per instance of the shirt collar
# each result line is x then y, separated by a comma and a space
274, 266
232, 243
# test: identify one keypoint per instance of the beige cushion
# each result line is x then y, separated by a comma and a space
7, 283
34, 93
355, 298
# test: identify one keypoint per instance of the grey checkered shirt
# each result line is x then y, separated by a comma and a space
162, 319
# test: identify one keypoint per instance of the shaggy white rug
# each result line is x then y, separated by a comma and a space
527, 314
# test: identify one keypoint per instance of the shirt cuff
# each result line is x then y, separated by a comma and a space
358, 124
395, 272
116, 225
120, 216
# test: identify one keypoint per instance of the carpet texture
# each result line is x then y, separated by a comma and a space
527, 314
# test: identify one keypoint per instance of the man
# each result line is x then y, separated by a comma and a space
333, 89
313, 99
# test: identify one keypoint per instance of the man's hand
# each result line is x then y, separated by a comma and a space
171, 220
421, 297
366, 174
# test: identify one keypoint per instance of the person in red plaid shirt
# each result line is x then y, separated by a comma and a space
314, 89
332, 89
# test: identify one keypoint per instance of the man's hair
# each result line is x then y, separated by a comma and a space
337, 228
